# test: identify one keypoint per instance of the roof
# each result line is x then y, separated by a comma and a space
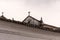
18, 22
39, 21
4, 18
30, 17
50, 25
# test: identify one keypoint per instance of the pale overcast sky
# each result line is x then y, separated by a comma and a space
49, 10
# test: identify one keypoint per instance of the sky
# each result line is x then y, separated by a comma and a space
49, 10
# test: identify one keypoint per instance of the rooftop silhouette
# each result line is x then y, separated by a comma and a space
32, 22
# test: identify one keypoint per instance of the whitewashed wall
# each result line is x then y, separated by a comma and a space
32, 21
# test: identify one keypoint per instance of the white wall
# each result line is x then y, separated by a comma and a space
32, 21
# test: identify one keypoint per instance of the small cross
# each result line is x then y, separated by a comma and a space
29, 13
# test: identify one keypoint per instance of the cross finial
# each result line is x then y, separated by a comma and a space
29, 13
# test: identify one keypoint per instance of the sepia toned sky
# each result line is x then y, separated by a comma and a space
49, 10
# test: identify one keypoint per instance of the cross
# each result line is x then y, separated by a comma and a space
29, 13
